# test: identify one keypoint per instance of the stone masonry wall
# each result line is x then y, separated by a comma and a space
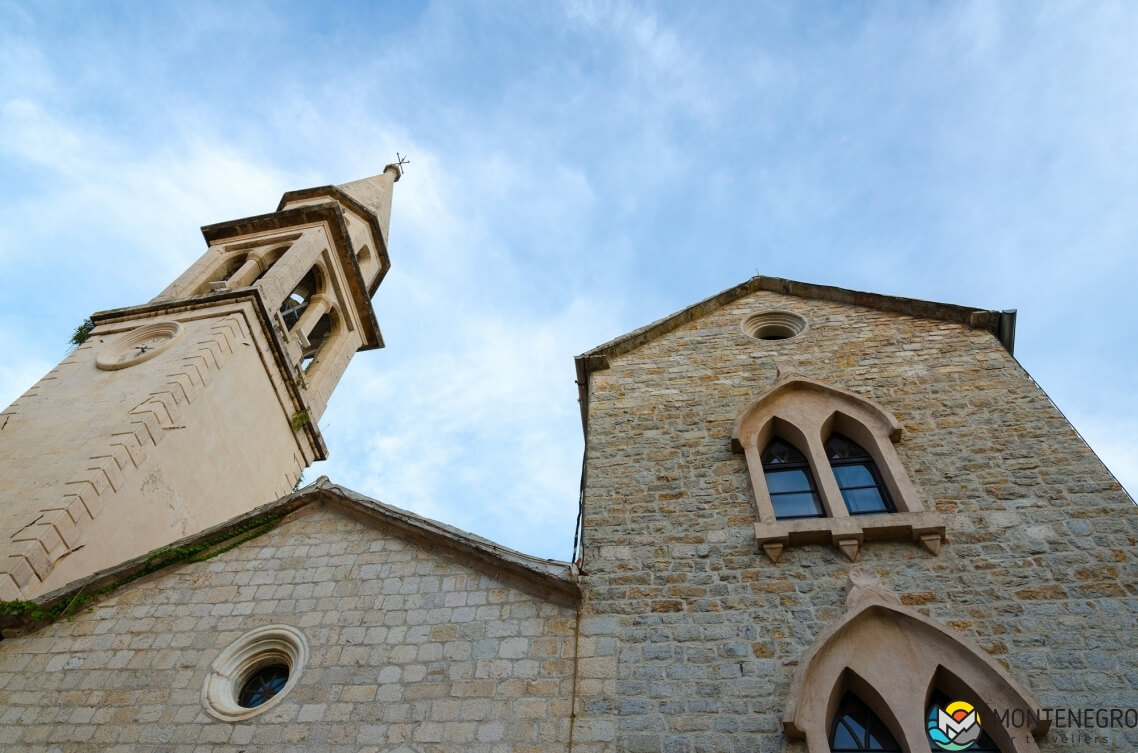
408, 648
1040, 567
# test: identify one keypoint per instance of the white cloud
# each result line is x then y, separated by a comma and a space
145, 206
485, 436
664, 65
570, 181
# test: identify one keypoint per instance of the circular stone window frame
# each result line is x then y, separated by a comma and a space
785, 325
259, 648
108, 359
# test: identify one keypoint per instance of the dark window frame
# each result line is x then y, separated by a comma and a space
864, 460
263, 685
796, 463
857, 720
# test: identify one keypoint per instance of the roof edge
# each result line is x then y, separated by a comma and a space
338, 194
1000, 323
548, 579
552, 580
973, 317
329, 213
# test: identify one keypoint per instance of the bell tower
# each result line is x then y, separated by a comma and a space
183, 412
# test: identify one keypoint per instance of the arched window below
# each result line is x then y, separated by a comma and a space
789, 481
944, 736
320, 334
294, 306
219, 274
857, 477
856, 729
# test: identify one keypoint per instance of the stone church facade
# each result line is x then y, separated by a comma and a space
810, 517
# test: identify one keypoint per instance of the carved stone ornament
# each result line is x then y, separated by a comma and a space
864, 585
138, 346
892, 658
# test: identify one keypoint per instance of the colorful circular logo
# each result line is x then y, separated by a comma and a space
955, 727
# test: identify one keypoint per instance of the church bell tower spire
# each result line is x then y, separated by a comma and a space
183, 412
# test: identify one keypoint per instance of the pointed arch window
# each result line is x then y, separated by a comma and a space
858, 478
856, 729
877, 656
790, 482
823, 468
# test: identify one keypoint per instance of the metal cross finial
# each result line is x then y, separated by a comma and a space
400, 161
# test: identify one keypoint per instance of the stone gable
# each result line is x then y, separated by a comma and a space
407, 647
1039, 567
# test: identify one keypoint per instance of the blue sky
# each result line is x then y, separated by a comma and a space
578, 170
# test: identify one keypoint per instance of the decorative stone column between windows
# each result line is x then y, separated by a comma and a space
318, 305
247, 272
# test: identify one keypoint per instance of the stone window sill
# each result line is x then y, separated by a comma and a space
848, 533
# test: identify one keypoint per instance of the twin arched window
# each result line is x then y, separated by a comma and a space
856, 729
823, 468
794, 494
887, 678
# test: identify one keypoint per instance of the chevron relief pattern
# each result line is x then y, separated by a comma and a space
57, 531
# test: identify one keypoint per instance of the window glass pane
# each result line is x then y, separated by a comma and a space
853, 475
864, 500
843, 740
787, 481
780, 451
839, 447
796, 505
856, 729
855, 720
263, 685
875, 741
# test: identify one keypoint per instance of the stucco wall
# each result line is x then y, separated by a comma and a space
1040, 565
407, 647
95, 463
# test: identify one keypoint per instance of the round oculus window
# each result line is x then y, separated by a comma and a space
264, 684
252, 674
774, 325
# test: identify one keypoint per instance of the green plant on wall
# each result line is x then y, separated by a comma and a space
300, 419
32, 611
81, 333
